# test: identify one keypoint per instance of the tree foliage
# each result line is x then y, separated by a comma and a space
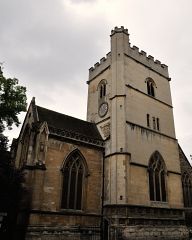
13, 100
11, 190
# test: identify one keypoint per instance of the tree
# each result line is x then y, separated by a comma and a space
11, 191
13, 100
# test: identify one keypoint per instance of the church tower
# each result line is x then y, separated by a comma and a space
129, 99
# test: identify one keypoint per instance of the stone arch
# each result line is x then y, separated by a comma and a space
151, 85
157, 178
74, 172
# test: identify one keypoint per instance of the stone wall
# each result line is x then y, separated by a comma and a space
63, 233
153, 232
131, 222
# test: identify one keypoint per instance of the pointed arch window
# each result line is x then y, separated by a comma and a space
157, 185
25, 145
73, 181
150, 87
187, 190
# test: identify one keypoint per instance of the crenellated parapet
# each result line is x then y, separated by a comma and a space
148, 61
100, 66
132, 52
119, 30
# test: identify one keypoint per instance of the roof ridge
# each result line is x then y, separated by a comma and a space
65, 115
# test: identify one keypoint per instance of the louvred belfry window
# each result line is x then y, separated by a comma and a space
102, 90
157, 185
73, 182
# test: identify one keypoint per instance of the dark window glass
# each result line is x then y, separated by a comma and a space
150, 87
163, 186
101, 91
151, 184
185, 195
79, 189
104, 89
73, 181
65, 188
187, 190
157, 185
158, 128
152, 90
154, 123
72, 189
148, 120
25, 146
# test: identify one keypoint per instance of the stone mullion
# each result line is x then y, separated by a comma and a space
154, 185
76, 181
160, 187
68, 188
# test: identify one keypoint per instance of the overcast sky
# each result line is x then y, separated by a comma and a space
49, 45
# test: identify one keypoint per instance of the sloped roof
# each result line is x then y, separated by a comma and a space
58, 121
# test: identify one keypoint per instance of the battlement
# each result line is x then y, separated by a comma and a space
100, 66
132, 52
148, 61
119, 30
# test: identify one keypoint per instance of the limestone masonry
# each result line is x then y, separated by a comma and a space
119, 175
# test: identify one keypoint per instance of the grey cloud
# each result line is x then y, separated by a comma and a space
83, 1
50, 48
46, 43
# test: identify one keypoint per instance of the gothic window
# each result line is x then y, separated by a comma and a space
73, 181
157, 186
187, 190
150, 87
25, 145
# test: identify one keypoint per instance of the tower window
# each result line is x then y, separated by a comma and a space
73, 182
154, 123
157, 187
187, 190
158, 127
102, 89
151, 87
148, 120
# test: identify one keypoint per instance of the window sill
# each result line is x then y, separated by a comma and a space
71, 210
159, 204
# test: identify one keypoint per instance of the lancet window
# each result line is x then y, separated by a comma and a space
102, 89
157, 183
25, 145
187, 190
150, 87
73, 181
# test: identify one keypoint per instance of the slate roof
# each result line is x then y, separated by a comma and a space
58, 121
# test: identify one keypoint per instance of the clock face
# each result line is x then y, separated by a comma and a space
103, 109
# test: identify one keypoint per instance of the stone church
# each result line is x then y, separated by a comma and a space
119, 175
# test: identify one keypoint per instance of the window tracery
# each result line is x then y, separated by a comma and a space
157, 185
73, 181
187, 190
